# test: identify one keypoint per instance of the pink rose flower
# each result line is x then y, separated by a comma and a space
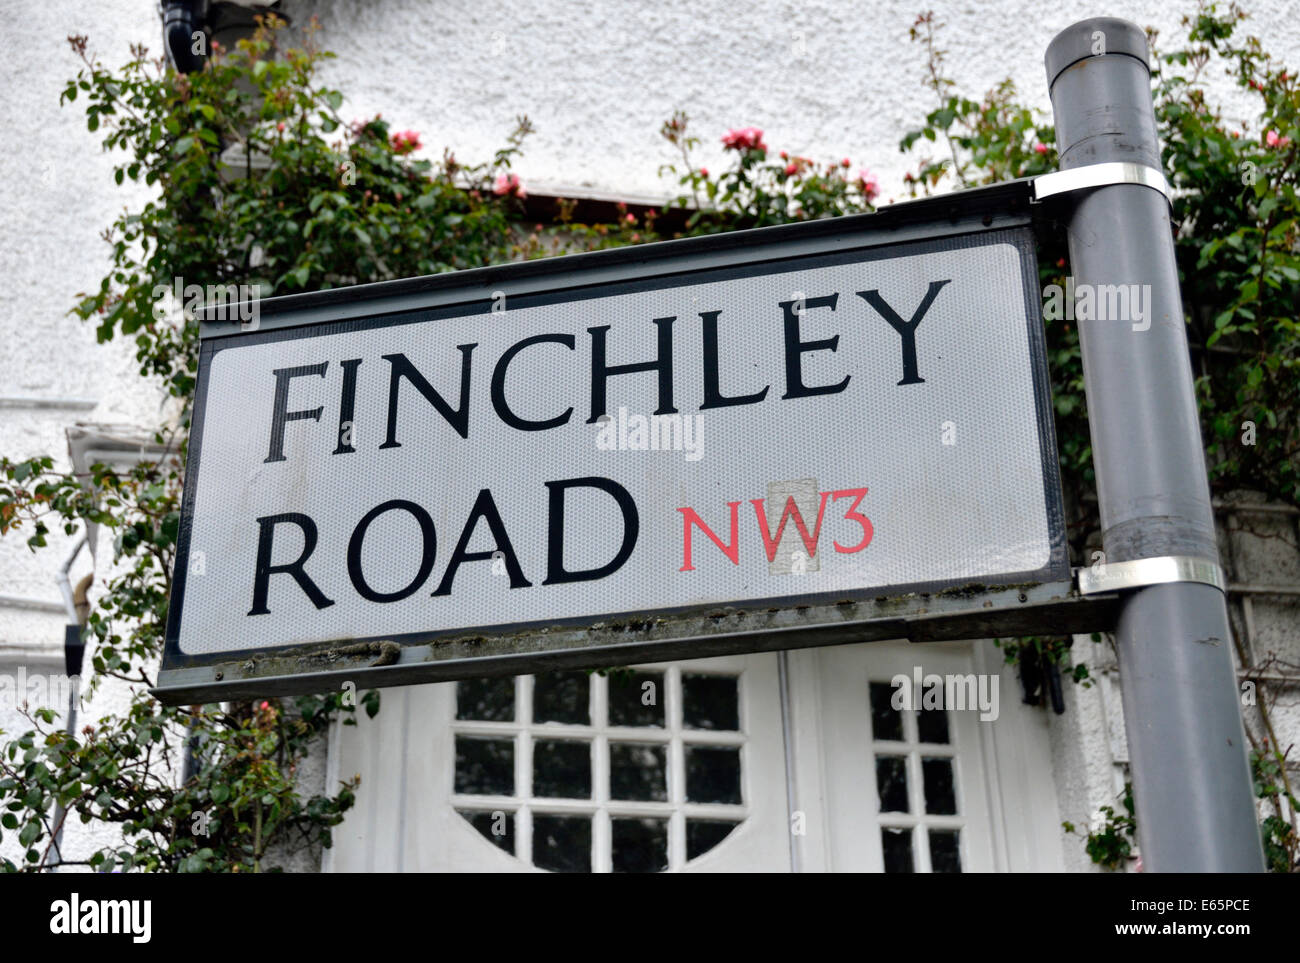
405, 141
509, 185
845, 162
704, 172
743, 139
870, 186
1273, 140
790, 169
1040, 148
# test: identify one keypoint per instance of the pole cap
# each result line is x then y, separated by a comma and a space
1095, 37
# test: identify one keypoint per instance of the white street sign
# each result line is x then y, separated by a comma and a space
759, 428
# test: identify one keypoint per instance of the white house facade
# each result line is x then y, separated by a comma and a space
773, 762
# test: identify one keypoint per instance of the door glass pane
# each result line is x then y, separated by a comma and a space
636, 699
891, 783
945, 851
485, 767
710, 702
703, 834
886, 721
639, 845
932, 726
562, 844
712, 774
940, 792
498, 827
486, 700
638, 772
561, 697
897, 847
562, 769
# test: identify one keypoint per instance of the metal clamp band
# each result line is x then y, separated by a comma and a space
1100, 175
1140, 572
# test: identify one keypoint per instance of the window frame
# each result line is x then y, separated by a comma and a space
600, 734
405, 818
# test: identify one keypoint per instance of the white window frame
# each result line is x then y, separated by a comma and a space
1011, 760
406, 817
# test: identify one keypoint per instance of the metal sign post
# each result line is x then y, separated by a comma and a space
1191, 777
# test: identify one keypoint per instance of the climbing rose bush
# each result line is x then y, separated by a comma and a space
756, 191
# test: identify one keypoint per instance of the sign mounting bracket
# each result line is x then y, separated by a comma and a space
1091, 176
1141, 572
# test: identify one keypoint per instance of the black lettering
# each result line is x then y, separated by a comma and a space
499, 385
794, 349
347, 406
279, 417
556, 573
663, 364
265, 569
713, 397
402, 368
428, 550
906, 329
485, 508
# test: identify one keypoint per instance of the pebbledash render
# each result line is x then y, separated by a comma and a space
729, 763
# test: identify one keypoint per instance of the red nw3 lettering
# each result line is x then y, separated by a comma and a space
731, 547
854, 515
689, 518
770, 543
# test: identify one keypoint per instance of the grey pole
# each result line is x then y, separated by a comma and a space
1191, 776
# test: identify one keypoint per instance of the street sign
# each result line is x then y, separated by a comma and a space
801, 435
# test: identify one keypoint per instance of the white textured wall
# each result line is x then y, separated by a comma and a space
823, 79
56, 196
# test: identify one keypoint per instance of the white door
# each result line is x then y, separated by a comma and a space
887, 787
676, 767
